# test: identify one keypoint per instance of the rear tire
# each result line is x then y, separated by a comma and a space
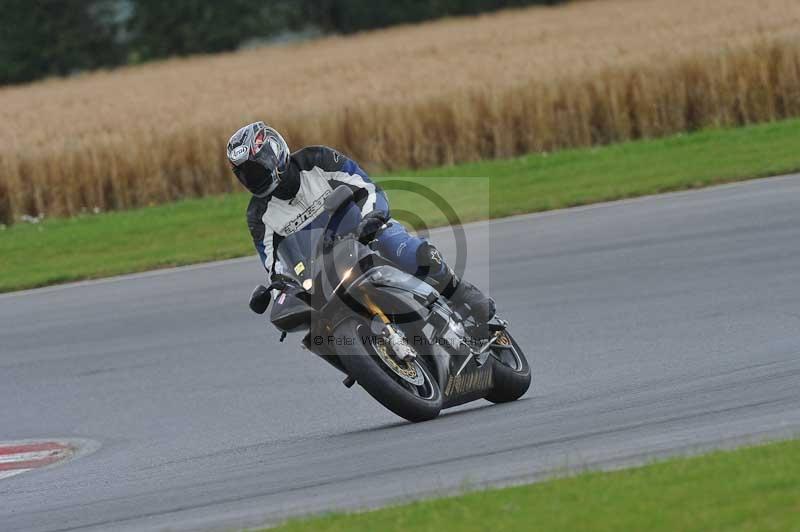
512, 373
414, 403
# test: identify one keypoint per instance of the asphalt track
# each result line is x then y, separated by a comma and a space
655, 326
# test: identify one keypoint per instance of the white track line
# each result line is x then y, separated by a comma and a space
6, 474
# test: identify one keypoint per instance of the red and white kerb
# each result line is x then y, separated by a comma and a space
16, 458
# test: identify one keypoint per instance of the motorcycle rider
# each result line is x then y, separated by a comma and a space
288, 191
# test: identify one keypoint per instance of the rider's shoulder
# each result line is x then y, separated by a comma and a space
323, 157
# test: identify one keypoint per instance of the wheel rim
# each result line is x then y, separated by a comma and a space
413, 375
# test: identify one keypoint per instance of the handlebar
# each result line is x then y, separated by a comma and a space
281, 281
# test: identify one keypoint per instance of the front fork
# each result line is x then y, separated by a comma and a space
397, 341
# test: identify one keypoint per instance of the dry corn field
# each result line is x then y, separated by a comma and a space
456, 90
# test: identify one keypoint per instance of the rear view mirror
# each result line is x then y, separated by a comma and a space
342, 195
259, 300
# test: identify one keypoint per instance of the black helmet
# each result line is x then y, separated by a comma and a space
258, 155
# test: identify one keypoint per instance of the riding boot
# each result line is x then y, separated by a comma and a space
465, 297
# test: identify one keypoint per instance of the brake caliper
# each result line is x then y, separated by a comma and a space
399, 345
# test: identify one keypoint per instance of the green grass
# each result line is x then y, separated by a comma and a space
753, 489
199, 230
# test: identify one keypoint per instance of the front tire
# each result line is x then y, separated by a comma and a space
512, 373
364, 362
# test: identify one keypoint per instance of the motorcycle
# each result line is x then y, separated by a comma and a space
386, 330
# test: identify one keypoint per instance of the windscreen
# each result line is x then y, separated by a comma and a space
298, 252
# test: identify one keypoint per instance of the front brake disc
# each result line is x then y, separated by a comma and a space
406, 370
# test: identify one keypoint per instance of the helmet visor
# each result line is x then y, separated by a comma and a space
259, 174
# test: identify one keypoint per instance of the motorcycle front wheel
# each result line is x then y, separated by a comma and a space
406, 388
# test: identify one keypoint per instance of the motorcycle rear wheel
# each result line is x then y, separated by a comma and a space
512, 373
363, 361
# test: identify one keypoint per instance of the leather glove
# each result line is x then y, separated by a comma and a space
370, 224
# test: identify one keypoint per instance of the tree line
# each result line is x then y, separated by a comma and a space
42, 38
